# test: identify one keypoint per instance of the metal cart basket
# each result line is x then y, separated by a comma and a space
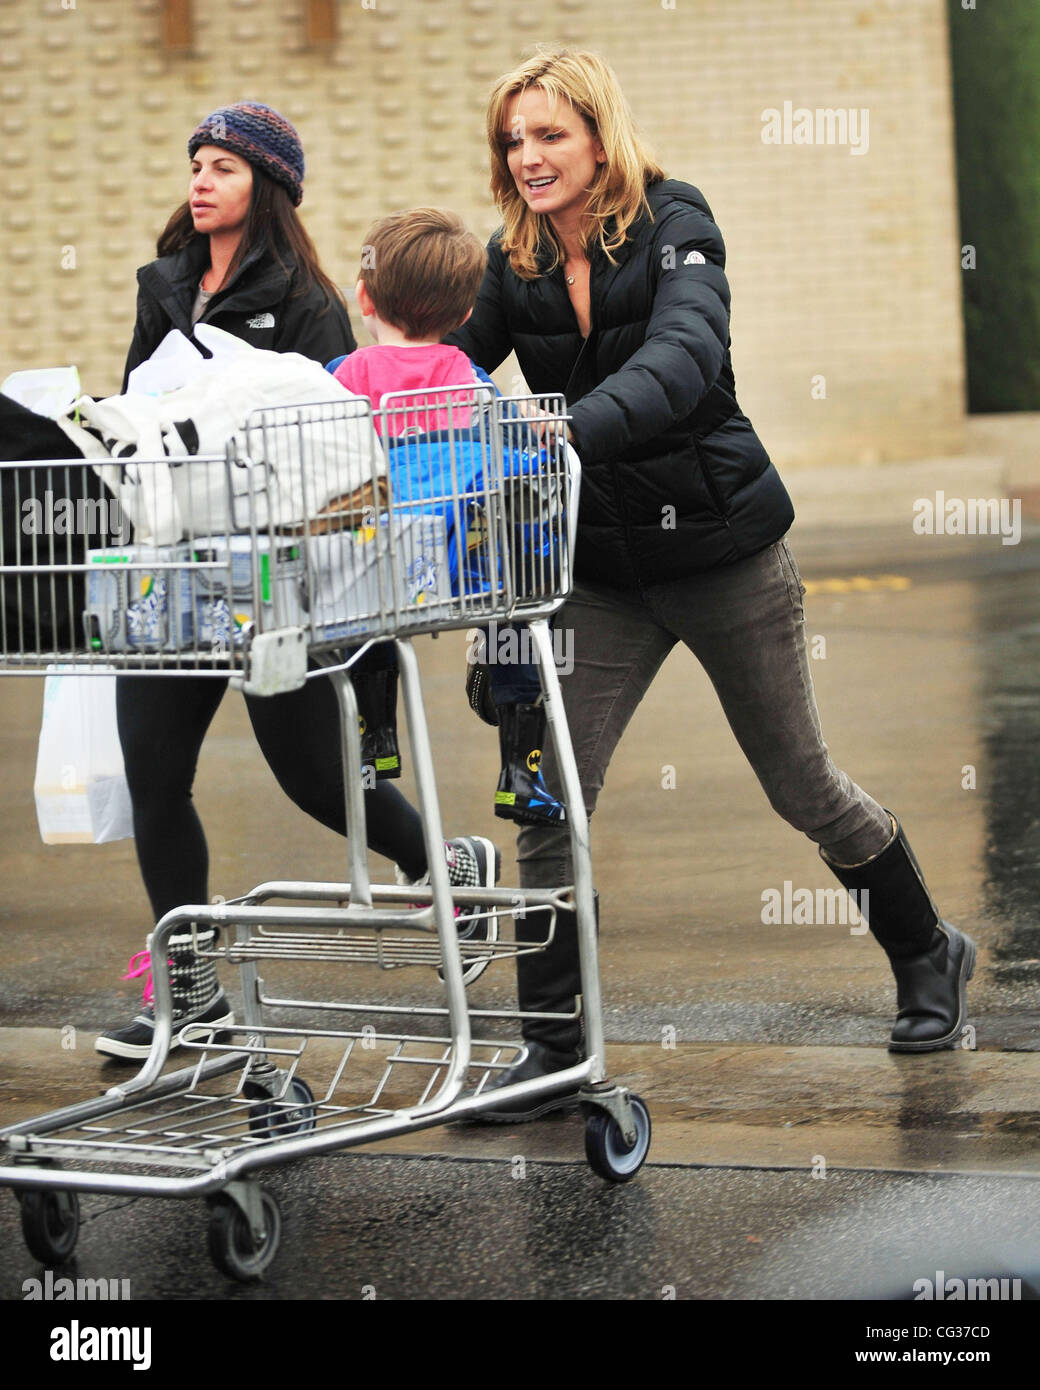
322, 530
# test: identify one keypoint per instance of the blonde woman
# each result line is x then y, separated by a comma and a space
608, 280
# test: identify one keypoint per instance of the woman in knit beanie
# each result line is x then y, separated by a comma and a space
236, 255
261, 136
235, 252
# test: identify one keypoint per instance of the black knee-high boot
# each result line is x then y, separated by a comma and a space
547, 981
931, 960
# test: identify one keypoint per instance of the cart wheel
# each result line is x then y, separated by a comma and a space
605, 1147
293, 1114
50, 1223
231, 1245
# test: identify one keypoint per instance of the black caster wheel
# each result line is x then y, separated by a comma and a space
231, 1245
50, 1223
293, 1114
605, 1147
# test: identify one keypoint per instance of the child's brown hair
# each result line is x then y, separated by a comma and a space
422, 269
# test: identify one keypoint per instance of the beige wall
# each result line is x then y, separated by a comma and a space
842, 265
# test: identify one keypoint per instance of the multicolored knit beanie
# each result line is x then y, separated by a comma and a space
261, 136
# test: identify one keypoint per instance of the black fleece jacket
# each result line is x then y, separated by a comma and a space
258, 306
674, 478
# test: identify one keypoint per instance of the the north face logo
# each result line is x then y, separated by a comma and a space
261, 321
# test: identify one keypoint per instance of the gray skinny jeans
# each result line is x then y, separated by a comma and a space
745, 624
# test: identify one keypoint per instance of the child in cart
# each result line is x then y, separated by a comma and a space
421, 270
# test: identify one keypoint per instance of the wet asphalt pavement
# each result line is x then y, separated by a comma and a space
929, 692
431, 1228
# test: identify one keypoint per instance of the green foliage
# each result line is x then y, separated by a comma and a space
996, 82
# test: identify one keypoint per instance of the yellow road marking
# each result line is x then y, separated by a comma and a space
858, 584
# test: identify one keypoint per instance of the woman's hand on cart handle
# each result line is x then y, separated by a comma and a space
546, 427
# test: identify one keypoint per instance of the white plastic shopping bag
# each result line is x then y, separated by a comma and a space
177, 362
80, 786
49, 391
172, 478
174, 362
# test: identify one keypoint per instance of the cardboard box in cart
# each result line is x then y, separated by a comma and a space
336, 584
207, 594
195, 597
351, 586
253, 579
139, 599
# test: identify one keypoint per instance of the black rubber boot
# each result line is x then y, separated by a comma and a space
376, 692
931, 960
547, 981
522, 794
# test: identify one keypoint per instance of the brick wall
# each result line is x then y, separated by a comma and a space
843, 266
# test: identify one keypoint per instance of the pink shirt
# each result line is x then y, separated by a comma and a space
377, 370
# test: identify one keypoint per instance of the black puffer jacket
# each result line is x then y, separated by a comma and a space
651, 391
258, 306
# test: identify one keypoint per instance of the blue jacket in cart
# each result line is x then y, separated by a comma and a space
447, 474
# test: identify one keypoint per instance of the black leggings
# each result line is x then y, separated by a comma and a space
162, 722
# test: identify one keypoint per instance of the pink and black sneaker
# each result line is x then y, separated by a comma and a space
473, 862
197, 998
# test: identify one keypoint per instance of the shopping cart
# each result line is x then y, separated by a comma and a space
321, 531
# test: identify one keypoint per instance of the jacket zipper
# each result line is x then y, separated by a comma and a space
584, 341
622, 511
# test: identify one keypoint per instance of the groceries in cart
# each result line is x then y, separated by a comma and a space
213, 482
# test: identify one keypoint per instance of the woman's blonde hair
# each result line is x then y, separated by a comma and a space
617, 195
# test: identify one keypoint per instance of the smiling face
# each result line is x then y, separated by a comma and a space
220, 190
552, 154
